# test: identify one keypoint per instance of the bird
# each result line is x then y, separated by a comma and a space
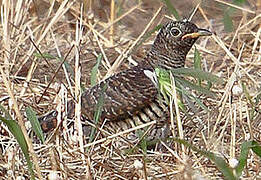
131, 97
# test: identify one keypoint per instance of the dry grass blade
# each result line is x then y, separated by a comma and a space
112, 19
117, 63
177, 113
121, 17
5, 8
117, 30
78, 124
235, 6
107, 65
119, 134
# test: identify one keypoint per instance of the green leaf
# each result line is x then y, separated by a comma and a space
229, 12
164, 85
239, 2
67, 66
193, 86
181, 105
209, 85
49, 56
258, 97
172, 9
197, 62
200, 103
6, 113
98, 111
248, 97
100, 103
15, 129
245, 147
228, 23
189, 95
196, 73
256, 148
163, 75
95, 70
31, 115
220, 162
197, 59
181, 85
44, 55
143, 142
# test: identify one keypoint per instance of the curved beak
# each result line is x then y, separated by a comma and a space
201, 32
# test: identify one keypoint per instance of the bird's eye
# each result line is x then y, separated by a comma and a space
175, 31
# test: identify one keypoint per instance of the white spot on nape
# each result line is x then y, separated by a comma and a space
185, 20
152, 75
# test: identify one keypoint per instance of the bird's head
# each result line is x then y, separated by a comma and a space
173, 42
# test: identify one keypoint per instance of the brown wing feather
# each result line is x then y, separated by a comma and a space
127, 92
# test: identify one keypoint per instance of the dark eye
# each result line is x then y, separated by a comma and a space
175, 31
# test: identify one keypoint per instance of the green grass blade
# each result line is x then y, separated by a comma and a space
196, 73
172, 9
181, 84
209, 85
192, 86
189, 95
19, 136
246, 93
256, 148
197, 59
98, 111
44, 55
245, 147
258, 97
200, 103
95, 70
143, 142
67, 65
100, 103
31, 115
220, 162
239, 2
228, 23
163, 75
49, 56
197, 62
6, 113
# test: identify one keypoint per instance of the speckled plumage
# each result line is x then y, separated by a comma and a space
131, 96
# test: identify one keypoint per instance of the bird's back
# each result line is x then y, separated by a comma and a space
129, 98
122, 94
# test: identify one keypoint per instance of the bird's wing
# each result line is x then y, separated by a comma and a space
124, 94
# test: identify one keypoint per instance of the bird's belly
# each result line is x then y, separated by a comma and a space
156, 110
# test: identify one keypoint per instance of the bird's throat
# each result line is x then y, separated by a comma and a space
167, 60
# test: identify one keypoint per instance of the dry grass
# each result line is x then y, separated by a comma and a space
58, 27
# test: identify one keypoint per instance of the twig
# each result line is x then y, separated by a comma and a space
54, 75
